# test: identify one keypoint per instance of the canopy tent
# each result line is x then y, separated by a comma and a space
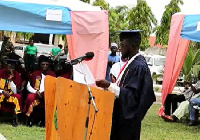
184, 27
30, 16
62, 17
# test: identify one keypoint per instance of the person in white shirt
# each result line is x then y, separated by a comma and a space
115, 70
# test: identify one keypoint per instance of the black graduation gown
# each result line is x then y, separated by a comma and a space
135, 98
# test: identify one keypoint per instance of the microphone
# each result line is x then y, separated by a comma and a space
86, 57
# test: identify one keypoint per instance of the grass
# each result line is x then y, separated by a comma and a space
22, 132
153, 128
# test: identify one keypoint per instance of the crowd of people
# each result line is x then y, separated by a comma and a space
188, 100
22, 88
127, 76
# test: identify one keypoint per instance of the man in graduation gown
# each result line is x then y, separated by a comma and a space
133, 90
10, 94
35, 87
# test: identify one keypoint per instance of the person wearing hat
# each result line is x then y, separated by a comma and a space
66, 71
10, 94
6, 48
133, 89
35, 88
112, 59
19, 65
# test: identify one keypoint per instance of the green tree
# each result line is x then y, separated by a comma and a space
117, 21
141, 17
24, 35
117, 18
86, 1
104, 5
162, 31
191, 66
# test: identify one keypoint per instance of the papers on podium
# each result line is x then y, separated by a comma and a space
78, 74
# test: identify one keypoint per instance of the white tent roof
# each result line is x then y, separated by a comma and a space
40, 16
74, 5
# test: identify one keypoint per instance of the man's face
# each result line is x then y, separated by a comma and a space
44, 66
125, 49
10, 67
113, 49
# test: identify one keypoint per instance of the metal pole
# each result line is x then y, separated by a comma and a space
91, 98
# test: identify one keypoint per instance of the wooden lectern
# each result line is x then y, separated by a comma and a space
66, 106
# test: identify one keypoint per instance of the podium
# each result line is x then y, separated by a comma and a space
66, 106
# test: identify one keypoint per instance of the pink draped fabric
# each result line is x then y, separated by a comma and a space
90, 33
176, 52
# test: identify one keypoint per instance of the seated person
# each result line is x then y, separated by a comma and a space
173, 99
193, 119
66, 71
10, 83
183, 108
35, 87
20, 69
7, 47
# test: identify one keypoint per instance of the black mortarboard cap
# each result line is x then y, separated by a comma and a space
11, 61
134, 35
43, 58
6, 37
125, 34
13, 55
130, 31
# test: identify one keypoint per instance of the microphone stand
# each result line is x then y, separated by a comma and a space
91, 99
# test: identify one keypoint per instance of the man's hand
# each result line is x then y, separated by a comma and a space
6, 93
10, 77
103, 83
38, 95
24, 83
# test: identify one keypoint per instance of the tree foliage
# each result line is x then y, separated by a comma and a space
24, 35
191, 64
162, 31
123, 18
142, 18
118, 20
86, 1
104, 5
